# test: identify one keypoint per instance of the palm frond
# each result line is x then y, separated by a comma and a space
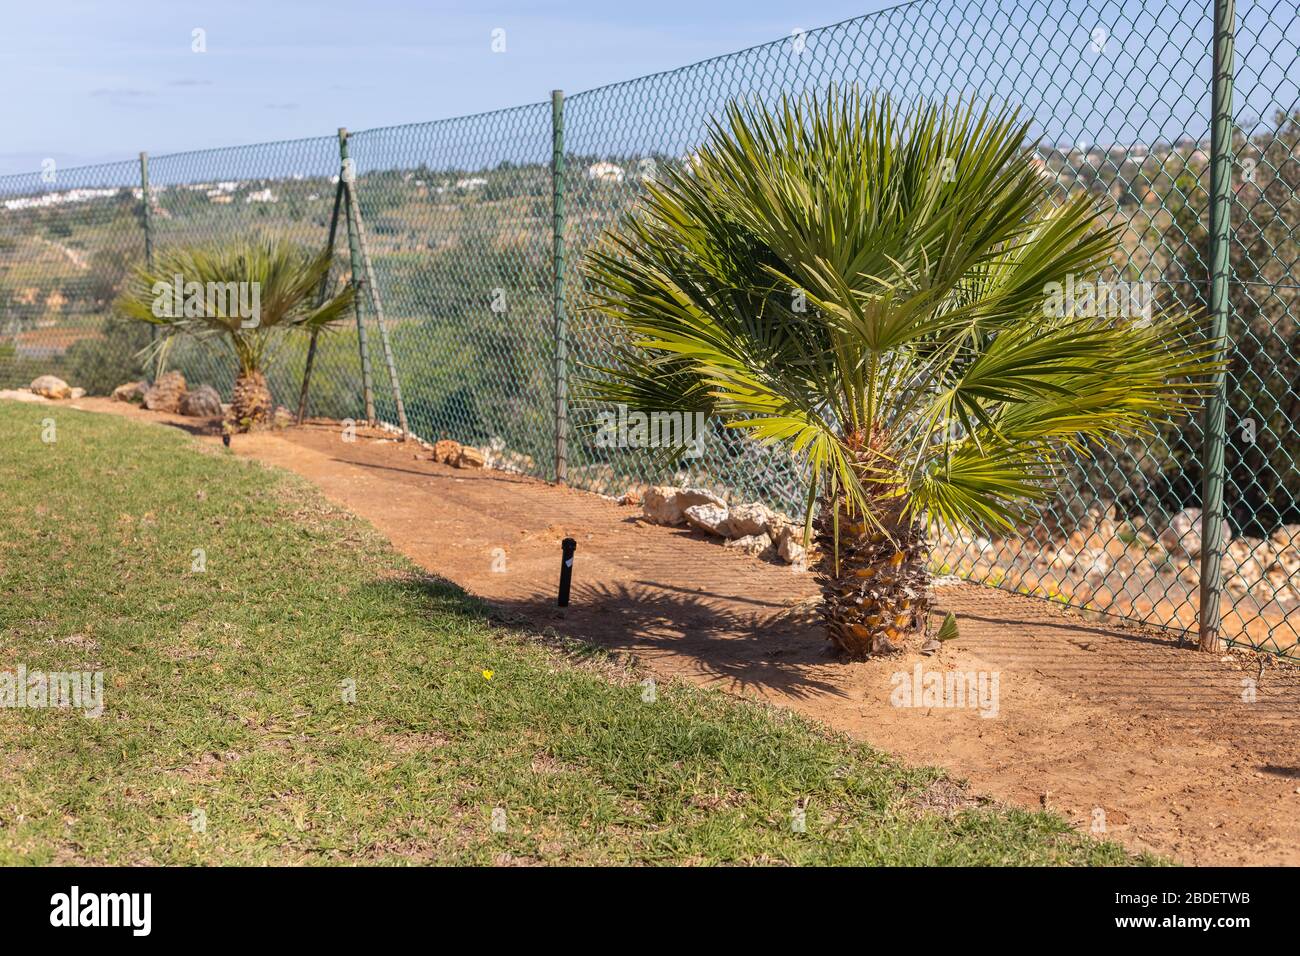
205, 293
831, 269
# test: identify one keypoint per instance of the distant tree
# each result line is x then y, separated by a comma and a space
1263, 450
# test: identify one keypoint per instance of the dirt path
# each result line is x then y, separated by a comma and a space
1101, 723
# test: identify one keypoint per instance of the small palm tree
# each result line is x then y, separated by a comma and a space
247, 294
874, 290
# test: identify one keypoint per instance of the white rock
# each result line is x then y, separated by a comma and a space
707, 517
1241, 574
1062, 557
1182, 536
131, 392
1245, 563
789, 545
754, 544
1288, 562
687, 497
1277, 586
745, 521
201, 402
1286, 537
664, 504
1094, 563
51, 386
659, 504
1244, 549
21, 395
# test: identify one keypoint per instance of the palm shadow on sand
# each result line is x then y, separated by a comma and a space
772, 647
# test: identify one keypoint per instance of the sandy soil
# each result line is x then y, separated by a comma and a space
1106, 724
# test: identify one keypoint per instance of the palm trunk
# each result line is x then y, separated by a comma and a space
873, 571
251, 404
878, 595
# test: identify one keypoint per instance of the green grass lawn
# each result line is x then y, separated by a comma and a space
224, 693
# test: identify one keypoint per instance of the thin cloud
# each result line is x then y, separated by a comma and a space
120, 92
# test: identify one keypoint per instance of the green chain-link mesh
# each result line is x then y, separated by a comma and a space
458, 215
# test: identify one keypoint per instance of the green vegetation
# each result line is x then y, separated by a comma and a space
1263, 389
224, 694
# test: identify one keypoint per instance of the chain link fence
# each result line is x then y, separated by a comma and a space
459, 216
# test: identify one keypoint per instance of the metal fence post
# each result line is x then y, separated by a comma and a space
147, 222
354, 248
1212, 464
561, 320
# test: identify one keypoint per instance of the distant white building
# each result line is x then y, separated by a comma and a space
261, 195
220, 193
605, 172
472, 182
59, 199
210, 188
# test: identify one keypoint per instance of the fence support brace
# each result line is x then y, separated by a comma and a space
1212, 512
357, 231
321, 292
147, 222
345, 173
561, 319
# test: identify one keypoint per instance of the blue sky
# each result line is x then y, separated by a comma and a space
90, 81
95, 80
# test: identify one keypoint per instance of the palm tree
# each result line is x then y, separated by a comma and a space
247, 294
873, 289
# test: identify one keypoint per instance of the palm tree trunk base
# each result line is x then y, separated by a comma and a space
251, 404
874, 577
